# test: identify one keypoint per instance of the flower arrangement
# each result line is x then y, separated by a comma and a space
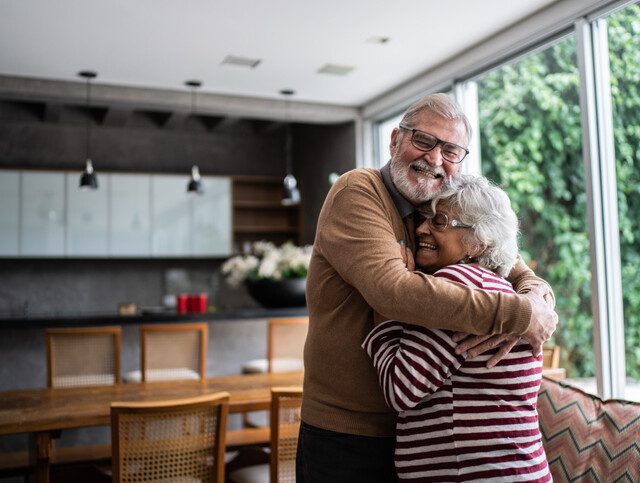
265, 261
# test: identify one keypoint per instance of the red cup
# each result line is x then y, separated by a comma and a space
199, 304
182, 303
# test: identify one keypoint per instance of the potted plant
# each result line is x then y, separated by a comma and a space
274, 276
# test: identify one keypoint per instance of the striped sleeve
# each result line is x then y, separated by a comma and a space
412, 362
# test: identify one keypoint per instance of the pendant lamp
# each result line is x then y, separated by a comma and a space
88, 178
195, 182
290, 191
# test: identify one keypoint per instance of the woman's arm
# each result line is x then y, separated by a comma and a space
412, 362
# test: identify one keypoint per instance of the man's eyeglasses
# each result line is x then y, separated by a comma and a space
426, 142
440, 221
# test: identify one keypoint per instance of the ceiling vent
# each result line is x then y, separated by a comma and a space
335, 69
235, 61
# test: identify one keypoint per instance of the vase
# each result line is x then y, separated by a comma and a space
278, 293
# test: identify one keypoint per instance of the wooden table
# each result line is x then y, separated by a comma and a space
42, 411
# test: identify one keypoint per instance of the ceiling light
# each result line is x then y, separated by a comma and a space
290, 191
195, 182
335, 69
88, 179
378, 39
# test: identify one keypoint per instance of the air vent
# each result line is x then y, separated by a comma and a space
335, 69
235, 61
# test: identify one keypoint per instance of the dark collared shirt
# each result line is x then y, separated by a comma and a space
404, 207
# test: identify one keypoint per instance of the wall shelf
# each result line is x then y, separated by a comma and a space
258, 213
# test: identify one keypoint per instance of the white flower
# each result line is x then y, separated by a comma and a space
266, 261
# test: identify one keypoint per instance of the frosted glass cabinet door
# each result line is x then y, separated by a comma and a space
9, 212
43, 214
130, 215
87, 217
212, 218
170, 216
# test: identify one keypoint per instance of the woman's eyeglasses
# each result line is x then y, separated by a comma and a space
440, 221
426, 142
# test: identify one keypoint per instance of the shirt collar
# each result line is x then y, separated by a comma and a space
402, 205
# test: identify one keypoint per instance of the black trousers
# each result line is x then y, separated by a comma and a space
329, 457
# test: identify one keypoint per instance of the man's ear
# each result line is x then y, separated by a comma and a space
393, 147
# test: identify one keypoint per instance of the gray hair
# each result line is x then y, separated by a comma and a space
441, 104
487, 209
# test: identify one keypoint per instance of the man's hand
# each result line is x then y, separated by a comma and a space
479, 344
543, 321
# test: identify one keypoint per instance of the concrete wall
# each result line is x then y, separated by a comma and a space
140, 142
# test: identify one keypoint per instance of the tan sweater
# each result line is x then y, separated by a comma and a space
356, 270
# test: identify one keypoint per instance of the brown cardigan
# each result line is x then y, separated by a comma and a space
356, 270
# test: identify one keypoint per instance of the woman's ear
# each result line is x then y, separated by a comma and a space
477, 250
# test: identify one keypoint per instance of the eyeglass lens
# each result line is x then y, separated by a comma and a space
426, 142
439, 221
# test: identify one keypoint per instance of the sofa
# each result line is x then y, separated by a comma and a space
586, 438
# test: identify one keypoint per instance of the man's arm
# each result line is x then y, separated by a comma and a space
355, 235
542, 325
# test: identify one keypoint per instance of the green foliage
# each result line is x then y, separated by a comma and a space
531, 142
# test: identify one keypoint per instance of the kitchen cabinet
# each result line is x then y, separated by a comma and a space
130, 215
9, 212
45, 214
42, 214
87, 218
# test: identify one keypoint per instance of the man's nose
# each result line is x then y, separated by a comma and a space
434, 157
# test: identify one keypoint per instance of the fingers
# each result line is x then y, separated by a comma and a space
411, 265
458, 336
403, 252
503, 351
470, 343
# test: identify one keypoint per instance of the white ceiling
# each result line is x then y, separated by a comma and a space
162, 43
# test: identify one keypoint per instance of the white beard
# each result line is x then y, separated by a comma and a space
416, 193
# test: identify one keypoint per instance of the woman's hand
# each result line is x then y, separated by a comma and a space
407, 256
479, 344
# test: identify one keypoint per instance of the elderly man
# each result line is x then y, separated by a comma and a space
357, 274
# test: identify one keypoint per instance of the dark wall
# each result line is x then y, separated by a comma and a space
148, 143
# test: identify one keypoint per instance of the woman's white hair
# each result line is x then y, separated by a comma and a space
477, 202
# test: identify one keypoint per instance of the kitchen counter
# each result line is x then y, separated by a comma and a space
151, 317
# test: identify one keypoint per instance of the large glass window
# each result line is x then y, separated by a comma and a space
530, 136
384, 129
624, 58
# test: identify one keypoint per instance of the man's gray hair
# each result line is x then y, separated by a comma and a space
477, 202
441, 104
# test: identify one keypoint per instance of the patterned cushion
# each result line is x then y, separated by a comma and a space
586, 438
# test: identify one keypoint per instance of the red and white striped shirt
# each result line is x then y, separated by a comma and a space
459, 420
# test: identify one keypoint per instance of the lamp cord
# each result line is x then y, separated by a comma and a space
88, 140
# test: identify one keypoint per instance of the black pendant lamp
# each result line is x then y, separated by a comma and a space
195, 182
290, 191
88, 178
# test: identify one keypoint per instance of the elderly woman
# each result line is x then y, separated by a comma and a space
459, 420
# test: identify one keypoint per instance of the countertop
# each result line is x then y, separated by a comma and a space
93, 319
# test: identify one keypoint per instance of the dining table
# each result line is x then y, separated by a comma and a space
43, 412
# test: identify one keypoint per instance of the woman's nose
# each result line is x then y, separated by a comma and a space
423, 228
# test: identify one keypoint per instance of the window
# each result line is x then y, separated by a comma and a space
530, 137
623, 29
383, 130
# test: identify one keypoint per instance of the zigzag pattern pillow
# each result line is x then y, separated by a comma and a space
586, 438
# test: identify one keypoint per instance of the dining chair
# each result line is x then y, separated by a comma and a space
83, 356
285, 347
285, 426
176, 440
171, 352
551, 357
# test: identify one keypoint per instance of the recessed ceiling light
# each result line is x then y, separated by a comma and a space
236, 61
378, 39
335, 69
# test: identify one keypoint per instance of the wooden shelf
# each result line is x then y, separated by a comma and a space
258, 213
